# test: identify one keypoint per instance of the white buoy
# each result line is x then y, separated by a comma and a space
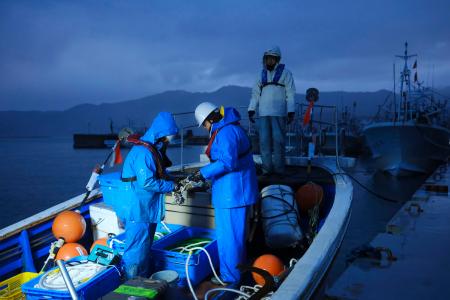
280, 217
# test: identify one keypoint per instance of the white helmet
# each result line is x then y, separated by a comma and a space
274, 51
203, 110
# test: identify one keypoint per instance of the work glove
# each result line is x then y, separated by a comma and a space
178, 197
290, 117
251, 114
178, 186
178, 192
196, 177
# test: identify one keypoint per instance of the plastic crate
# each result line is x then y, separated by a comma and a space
118, 246
113, 190
161, 229
10, 288
198, 267
96, 287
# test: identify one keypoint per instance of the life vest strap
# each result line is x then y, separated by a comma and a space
271, 83
213, 137
276, 78
160, 173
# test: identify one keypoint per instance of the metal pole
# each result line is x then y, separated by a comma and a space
303, 132
181, 148
337, 149
395, 98
67, 280
182, 143
337, 131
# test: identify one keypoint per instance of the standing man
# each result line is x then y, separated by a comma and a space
146, 183
234, 184
273, 97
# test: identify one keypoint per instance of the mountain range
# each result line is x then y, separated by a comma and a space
138, 113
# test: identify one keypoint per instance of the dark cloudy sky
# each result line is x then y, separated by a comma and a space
55, 54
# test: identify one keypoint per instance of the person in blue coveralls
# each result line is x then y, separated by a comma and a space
234, 184
144, 173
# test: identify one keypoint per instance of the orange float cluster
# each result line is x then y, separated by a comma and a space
70, 226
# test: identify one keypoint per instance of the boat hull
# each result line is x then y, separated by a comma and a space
405, 149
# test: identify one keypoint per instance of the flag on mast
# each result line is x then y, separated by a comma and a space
415, 65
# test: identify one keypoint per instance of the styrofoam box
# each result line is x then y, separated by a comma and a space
104, 221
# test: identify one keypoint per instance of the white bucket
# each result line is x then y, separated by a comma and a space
279, 215
168, 275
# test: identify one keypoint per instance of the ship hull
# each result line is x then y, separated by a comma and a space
407, 148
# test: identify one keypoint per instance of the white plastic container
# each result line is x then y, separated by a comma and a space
104, 221
170, 276
280, 217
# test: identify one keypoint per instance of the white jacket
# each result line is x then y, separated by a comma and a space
274, 100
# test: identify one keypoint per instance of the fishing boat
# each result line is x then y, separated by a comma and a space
412, 135
25, 246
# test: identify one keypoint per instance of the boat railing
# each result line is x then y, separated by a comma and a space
324, 119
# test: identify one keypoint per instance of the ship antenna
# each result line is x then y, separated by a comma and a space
405, 79
395, 98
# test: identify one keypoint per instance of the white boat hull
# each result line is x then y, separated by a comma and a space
402, 149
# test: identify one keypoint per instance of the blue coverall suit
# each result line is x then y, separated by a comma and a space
234, 190
145, 197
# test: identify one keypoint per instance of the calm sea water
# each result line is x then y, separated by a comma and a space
37, 173
369, 213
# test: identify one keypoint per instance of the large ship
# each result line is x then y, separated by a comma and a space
412, 135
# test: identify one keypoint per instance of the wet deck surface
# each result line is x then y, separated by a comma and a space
419, 238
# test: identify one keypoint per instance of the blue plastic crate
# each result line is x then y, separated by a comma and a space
161, 229
198, 267
100, 285
113, 190
118, 246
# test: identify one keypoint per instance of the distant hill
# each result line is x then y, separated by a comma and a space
139, 112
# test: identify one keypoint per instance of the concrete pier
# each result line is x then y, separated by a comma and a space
411, 259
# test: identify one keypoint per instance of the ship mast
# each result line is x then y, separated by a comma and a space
405, 86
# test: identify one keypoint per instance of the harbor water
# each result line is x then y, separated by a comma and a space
37, 173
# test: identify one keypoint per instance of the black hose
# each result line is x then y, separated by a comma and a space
369, 190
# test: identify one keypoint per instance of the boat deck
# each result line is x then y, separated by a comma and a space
295, 176
418, 237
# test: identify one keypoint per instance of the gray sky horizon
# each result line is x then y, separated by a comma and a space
57, 54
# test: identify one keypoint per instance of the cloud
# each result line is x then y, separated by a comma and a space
54, 55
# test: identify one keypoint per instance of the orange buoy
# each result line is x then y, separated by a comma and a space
102, 241
69, 225
308, 195
70, 250
270, 263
